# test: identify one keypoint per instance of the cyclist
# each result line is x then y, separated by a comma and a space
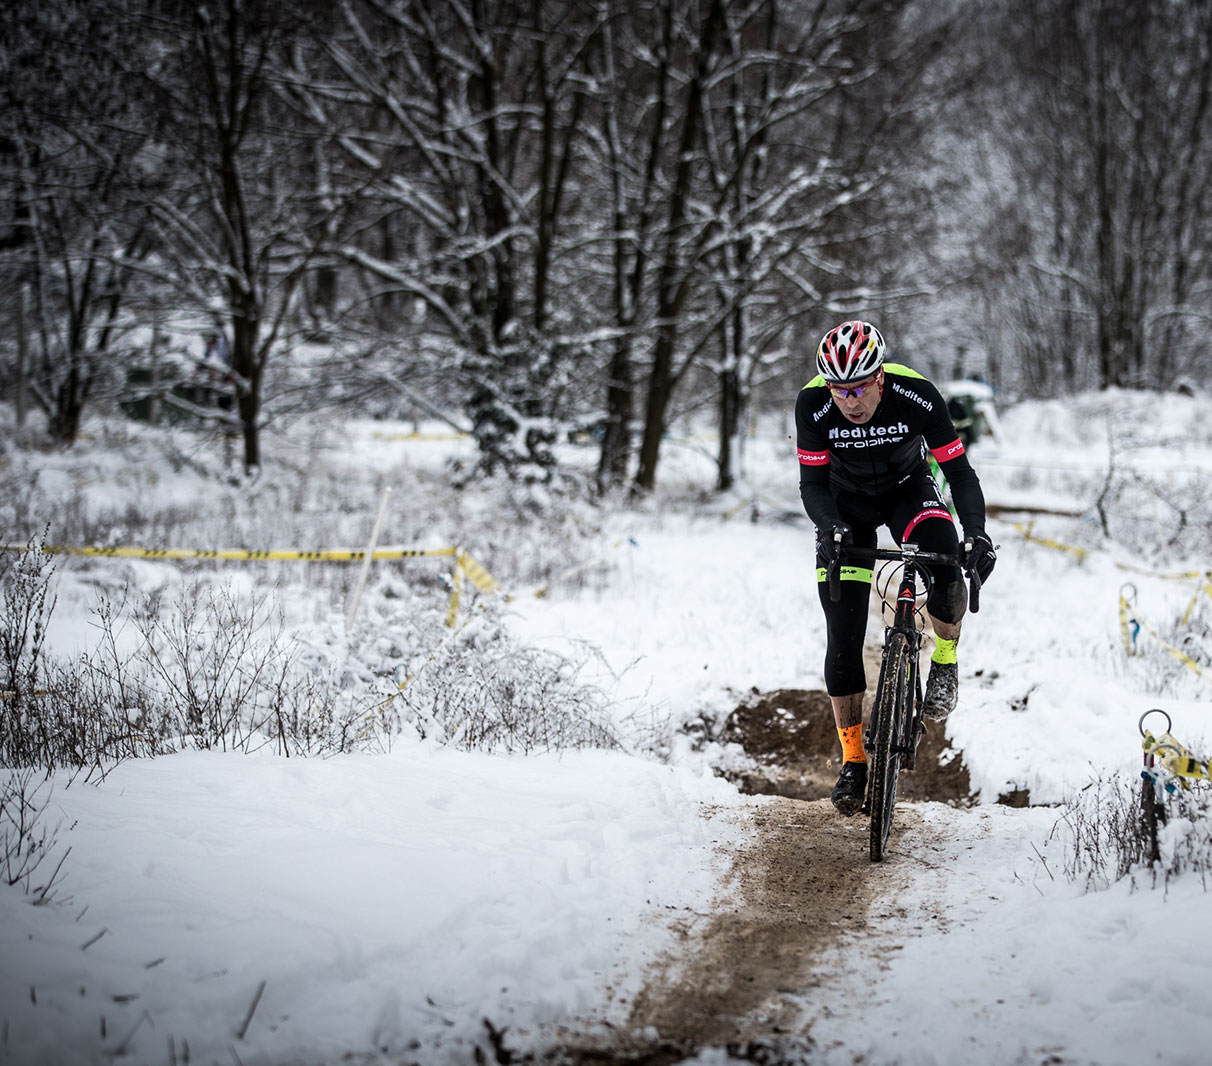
865, 429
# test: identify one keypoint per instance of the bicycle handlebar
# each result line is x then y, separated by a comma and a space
912, 553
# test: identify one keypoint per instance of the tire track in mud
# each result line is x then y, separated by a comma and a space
805, 880
801, 893
806, 900
742, 978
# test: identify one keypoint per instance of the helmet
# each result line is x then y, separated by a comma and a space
850, 352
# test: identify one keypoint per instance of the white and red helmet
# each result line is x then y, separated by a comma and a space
850, 352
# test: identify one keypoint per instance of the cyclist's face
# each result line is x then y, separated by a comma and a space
859, 409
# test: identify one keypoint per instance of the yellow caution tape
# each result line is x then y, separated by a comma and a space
1027, 533
335, 555
1130, 625
466, 567
1181, 575
422, 436
480, 577
1174, 757
1204, 585
1204, 576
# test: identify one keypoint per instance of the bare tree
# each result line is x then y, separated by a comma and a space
244, 222
1105, 134
463, 120
67, 141
776, 141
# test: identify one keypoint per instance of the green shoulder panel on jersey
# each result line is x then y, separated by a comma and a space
896, 369
900, 370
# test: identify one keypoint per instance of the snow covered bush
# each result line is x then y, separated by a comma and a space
26, 843
1111, 835
482, 690
26, 605
209, 666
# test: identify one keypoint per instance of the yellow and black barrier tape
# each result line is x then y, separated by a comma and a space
339, 555
475, 573
465, 566
1168, 575
1131, 625
1173, 756
1204, 577
1028, 532
450, 435
1204, 586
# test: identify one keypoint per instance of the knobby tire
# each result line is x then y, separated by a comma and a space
891, 712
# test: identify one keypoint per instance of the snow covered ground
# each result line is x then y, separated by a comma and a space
226, 907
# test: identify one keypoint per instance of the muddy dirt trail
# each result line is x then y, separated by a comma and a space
803, 887
744, 981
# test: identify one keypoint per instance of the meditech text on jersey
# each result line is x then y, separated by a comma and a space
863, 432
909, 394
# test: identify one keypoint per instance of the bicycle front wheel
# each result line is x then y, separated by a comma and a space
890, 713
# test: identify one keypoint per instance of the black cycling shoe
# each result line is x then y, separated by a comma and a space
942, 691
851, 788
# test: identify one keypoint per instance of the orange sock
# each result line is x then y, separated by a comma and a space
852, 743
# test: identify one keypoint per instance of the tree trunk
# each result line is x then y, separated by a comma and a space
730, 410
671, 288
247, 370
616, 442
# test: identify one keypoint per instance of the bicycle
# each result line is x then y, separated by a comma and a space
897, 724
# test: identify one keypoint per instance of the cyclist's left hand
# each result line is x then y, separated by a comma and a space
980, 554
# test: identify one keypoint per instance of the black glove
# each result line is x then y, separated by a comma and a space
833, 542
980, 555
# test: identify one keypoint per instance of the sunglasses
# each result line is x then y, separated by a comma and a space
844, 391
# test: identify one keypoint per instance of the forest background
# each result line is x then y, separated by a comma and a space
559, 217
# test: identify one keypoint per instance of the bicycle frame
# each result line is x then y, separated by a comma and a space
897, 724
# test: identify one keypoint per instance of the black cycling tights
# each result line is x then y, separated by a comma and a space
914, 512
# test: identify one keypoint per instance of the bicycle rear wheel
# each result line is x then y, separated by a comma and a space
890, 714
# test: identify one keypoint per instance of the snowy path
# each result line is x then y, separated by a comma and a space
960, 948
798, 963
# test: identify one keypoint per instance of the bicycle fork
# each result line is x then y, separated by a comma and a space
915, 728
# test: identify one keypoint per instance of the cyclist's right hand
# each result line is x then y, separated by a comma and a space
835, 540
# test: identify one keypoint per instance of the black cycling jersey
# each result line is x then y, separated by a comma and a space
872, 459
